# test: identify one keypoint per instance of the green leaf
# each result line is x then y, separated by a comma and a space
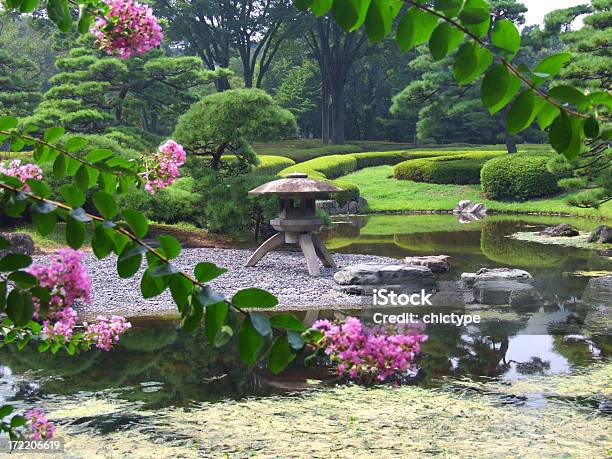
522, 112
205, 271
27, 6
295, 340
5, 410
494, 85
75, 233
506, 36
549, 67
209, 296
39, 188
513, 87
191, 321
85, 20
17, 421
75, 144
261, 323
137, 222
180, 288
59, 166
346, 13
107, 182
474, 12
14, 261
570, 95
44, 222
170, 246
302, 5
223, 336
22, 279
53, 134
98, 154
281, 355
19, 307
3, 289
254, 298
591, 127
546, 116
378, 20
415, 28
287, 321
560, 133
105, 203
471, 60
214, 320
152, 285
82, 177
129, 261
4, 243
8, 122
450, 8
443, 40
101, 242
321, 7
249, 342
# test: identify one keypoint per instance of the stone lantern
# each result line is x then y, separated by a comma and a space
297, 221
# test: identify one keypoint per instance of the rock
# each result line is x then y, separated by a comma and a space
497, 274
520, 297
494, 292
601, 234
562, 230
437, 263
468, 207
362, 278
22, 243
598, 298
332, 207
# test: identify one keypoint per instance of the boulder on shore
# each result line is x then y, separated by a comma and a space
21, 242
601, 234
437, 263
598, 298
502, 286
468, 207
362, 278
562, 230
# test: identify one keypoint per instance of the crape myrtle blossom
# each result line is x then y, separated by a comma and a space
39, 427
22, 172
129, 29
67, 280
162, 168
369, 352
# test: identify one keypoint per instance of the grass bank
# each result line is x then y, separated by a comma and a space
389, 195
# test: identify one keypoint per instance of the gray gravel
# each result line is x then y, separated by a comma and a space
283, 273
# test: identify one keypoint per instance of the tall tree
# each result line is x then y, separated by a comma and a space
92, 91
19, 89
335, 51
214, 29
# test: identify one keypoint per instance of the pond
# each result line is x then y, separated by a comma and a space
163, 392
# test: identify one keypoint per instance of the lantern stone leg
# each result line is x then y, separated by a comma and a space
297, 221
275, 241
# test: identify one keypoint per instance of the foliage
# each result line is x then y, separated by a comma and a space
305, 154
93, 92
332, 166
350, 192
518, 177
18, 87
225, 123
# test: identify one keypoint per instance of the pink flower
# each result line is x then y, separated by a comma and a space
163, 166
129, 29
68, 281
22, 172
367, 353
40, 428
106, 332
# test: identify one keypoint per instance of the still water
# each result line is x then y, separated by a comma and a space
158, 366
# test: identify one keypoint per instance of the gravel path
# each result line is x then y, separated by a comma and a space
283, 273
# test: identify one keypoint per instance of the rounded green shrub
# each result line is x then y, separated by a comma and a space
350, 192
271, 165
331, 167
518, 177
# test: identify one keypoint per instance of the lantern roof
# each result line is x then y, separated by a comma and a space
296, 183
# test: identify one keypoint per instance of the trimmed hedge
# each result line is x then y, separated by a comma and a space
350, 192
457, 168
271, 165
380, 158
306, 154
518, 177
330, 167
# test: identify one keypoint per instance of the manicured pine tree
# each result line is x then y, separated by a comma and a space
19, 89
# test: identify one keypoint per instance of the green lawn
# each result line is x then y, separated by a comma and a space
387, 194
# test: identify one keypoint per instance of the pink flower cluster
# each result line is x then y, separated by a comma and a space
22, 171
366, 353
129, 29
163, 167
106, 332
67, 279
40, 428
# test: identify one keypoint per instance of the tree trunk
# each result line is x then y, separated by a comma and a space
325, 115
222, 84
510, 143
337, 115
